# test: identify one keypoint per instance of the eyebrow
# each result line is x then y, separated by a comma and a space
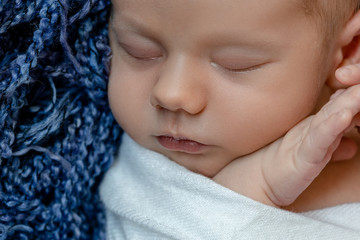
128, 23
256, 43
124, 22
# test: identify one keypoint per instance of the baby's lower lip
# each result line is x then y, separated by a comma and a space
180, 145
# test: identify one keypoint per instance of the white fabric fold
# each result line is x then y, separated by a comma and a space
148, 196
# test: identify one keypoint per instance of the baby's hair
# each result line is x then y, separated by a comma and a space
331, 14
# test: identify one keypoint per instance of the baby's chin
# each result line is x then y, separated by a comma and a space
199, 164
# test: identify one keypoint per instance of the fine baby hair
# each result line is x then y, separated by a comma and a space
57, 133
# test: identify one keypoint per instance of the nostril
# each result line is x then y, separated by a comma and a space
158, 107
154, 103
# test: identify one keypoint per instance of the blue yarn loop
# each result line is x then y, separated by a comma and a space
65, 164
6, 231
57, 134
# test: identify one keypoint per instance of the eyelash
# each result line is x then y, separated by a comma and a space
144, 59
135, 57
247, 69
240, 70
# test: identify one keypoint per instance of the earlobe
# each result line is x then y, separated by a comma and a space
348, 49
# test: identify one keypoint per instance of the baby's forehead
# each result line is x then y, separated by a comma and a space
219, 9
259, 24
230, 4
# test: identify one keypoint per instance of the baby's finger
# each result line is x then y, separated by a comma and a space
349, 99
321, 140
345, 151
349, 74
337, 94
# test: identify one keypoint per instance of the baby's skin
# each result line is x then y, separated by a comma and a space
219, 97
282, 170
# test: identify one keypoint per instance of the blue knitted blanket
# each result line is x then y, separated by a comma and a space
57, 135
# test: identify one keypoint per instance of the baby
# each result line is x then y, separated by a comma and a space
231, 90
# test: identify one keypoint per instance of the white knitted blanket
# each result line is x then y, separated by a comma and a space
147, 196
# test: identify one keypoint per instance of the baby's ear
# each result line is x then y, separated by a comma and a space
348, 49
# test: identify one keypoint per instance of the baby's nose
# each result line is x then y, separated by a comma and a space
180, 87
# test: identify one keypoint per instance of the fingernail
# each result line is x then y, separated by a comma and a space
344, 72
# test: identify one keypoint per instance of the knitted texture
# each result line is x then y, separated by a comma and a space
57, 135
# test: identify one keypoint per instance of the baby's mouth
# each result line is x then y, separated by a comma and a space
180, 144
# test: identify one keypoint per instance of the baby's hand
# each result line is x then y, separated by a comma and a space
279, 173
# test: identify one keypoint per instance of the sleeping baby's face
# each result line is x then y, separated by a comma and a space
205, 82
